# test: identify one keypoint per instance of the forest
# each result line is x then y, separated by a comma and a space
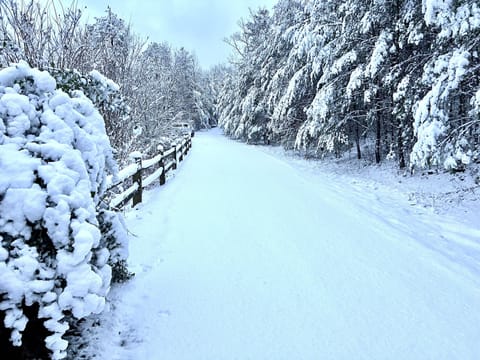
145, 84
372, 80
397, 80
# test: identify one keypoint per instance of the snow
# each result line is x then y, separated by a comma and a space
431, 118
255, 255
153, 177
170, 152
345, 60
108, 83
379, 54
457, 68
434, 10
150, 162
131, 169
127, 172
43, 81
124, 195
54, 154
294, 86
355, 81
135, 155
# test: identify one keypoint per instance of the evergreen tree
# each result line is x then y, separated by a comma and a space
392, 79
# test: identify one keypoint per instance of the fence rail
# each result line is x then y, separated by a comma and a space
134, 173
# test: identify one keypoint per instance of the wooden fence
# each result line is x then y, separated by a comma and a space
142, 173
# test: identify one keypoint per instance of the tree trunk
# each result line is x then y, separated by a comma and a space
401, 154
378, 141
357, 142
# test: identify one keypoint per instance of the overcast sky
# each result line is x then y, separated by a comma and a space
198, 25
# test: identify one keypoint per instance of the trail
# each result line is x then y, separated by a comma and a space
241, 256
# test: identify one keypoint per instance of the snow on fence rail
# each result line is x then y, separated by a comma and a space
165, 162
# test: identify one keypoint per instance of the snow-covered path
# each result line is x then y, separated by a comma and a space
242, 256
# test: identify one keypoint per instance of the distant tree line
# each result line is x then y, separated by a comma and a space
382, 79
146, 84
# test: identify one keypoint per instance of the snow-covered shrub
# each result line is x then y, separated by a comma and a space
103, 92
114, 238
460, 156
107, 98
54, 159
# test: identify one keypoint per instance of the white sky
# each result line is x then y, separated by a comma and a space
198, 25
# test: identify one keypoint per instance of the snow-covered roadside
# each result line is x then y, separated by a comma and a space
445, 206
245, 256
454, 195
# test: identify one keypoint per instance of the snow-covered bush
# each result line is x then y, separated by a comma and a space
103, 92
107, 98
114, 238
54, 159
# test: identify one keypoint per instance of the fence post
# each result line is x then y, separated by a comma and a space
174, 167
181, 151
162, 165
137, 178
187, 144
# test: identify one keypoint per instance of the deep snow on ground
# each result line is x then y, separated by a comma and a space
246, 254
454, 195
